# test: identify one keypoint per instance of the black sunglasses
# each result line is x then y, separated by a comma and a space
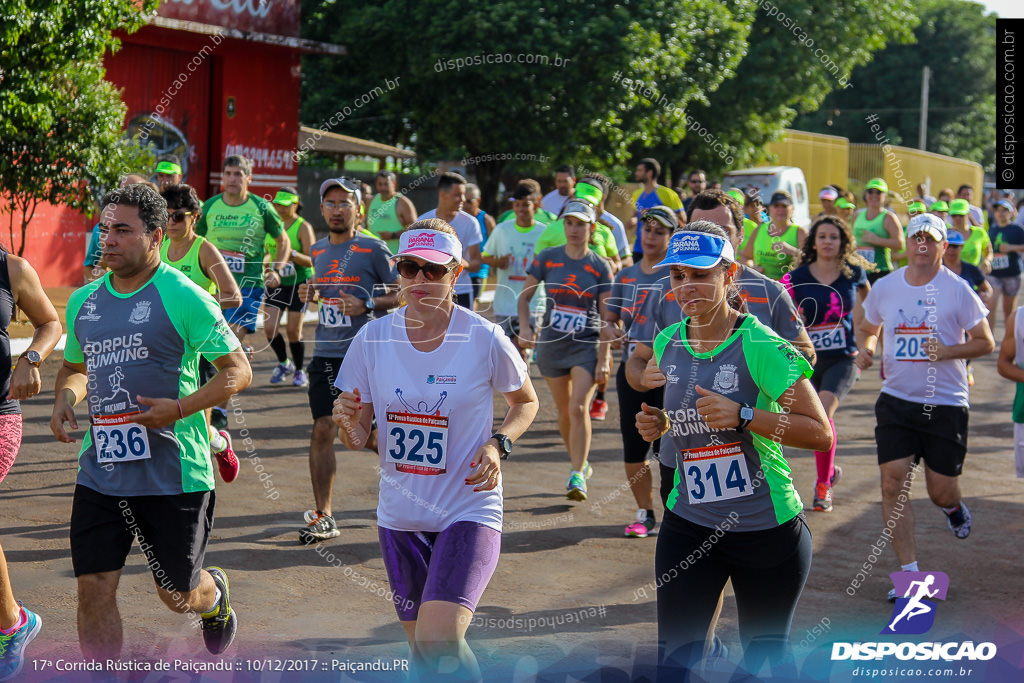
178, 216
432, 272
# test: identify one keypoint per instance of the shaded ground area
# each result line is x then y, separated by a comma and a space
570, 593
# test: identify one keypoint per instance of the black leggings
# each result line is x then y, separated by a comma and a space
634, 448
768, 570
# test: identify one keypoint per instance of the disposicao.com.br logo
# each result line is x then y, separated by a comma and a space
914, 614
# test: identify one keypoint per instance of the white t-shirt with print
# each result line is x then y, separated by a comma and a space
433, 410
507, 238
946, 307
468, 230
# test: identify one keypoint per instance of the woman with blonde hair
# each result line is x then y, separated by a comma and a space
427, 373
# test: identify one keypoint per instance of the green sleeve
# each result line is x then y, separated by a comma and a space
663, 338
774, 364
272, 223
197, 317
72, 349
543, 243
201, 226
670, 197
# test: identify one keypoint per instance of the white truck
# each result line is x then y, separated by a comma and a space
767, 180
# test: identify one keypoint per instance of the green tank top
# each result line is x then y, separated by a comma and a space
974, 245
748, 230
880, 256
383, 216
775, 263
189, 264
292, 274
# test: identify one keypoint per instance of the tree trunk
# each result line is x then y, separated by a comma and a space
488, 178
27, 213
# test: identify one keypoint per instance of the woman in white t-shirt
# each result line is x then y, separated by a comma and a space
428, 372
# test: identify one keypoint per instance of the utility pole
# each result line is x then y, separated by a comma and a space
922, 136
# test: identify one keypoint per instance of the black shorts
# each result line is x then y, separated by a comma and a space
634, 448
173, 532
875, 276
936, 434
837, 374
285, 298
207, 371
322, 373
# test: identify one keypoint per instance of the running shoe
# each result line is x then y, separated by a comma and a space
300, 380
822, 497
227, 461
320, 528
219, 418
959, 521
588, 471
892, 595
281, 371
219, 624
718, 649
576, 488
12, 647
598, 409
837, 474
641, 527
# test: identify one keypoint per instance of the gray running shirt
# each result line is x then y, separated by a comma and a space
144, 343
360, 267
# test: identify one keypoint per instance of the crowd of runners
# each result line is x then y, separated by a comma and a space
737, 333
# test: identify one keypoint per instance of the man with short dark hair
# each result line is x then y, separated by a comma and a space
237, 222
698, 182
565, 181
510, 250
652, 194
352, 274
451, 193
134, 338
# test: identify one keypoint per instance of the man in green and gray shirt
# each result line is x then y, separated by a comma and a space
133, 346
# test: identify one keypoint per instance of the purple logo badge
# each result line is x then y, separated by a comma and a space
914, 612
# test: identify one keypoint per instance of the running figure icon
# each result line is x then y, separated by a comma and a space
914, 612
914, 606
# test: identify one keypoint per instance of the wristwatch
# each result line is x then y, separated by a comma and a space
746, 415
369, 304
32, 357
504, 445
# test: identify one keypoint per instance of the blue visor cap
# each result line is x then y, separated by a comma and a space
697, 250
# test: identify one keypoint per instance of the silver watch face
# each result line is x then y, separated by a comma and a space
33, 357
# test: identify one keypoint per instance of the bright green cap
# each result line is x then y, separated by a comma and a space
844, 203
589, 193
916, 207
959, 207
168, 167
939, 206
877, 184
737, 195
285, 198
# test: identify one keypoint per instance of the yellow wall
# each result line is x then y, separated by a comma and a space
903, 168
823, 158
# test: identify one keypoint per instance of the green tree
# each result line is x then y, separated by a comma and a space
799, 51
572, 81
956, 39
60, 122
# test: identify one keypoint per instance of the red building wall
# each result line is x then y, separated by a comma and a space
177, 85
